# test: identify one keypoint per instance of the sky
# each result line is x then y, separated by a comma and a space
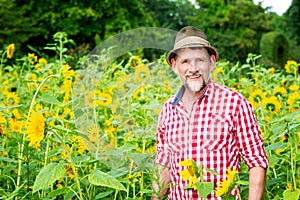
278, 6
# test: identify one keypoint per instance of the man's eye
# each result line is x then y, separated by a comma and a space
184, 61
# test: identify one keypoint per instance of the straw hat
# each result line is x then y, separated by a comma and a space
190, 36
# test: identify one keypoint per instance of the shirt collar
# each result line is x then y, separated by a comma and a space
179, 94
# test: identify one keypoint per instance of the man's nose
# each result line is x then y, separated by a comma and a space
193, 66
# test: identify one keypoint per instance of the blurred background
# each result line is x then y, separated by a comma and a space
236, 27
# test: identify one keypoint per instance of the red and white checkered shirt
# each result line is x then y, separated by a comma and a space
220, 129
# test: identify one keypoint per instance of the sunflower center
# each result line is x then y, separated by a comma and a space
257, 98
270, 107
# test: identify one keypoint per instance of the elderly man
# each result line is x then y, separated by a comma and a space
207, 123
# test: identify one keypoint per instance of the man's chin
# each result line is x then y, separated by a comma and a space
194, 88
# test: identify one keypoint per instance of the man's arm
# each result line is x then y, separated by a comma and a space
257, 180
163, 181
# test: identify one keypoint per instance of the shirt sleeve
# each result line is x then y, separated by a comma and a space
250, 142
162, 156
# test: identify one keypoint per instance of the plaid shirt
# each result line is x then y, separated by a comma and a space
220, 129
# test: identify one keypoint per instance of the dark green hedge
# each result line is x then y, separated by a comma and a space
274, 48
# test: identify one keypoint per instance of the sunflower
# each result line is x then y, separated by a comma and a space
138, 92
10, 51
134, 61
35, 128
15, 126
256, 97
42, 63
272, 104
93, 140
65, 68
141, 73
33, 58
12, 99
216, 73
227, 184
103, 99
291, 66
2, 119
283, 138
93, 133
16, 114
272, 70
290, 187
89, 99
294, 101
81, 147
122, 82
67, 72
70, 172
294, 88
280, 91
190, 173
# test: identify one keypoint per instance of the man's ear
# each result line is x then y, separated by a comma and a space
213, 61
174, 67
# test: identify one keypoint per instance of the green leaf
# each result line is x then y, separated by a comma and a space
104, 194
241, 182
146, 191
103, 179
274, 181
9, 107
291, 195
57, 192
81, 159
48, 175
212, 171
228, 197
273, 160
204, 188
277, 145
49, 98
8, 160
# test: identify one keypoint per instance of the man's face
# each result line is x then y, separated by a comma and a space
193, 67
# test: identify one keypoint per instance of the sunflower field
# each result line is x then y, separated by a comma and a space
89, 133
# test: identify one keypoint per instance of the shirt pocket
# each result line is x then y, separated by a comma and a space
218, 134
215, 145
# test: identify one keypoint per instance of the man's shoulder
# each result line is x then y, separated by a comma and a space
230, 92
169, 101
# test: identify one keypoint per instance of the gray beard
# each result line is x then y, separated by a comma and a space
196, 87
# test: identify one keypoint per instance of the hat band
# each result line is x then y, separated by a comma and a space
191, 41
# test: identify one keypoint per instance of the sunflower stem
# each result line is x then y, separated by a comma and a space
21, 145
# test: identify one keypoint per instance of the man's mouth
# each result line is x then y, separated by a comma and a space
192, 77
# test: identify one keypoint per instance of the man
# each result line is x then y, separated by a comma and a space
208, 123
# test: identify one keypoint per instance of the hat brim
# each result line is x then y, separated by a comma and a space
172, 54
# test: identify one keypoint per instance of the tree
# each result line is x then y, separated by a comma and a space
235, 27
14, 27
35, 22
292, 17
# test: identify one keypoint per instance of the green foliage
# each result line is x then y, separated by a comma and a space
48, 175
274, 48
292, 17
103, 179
14, 27
35, 22
204, 188
115, 150
234, 28
291, 195
292, 28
